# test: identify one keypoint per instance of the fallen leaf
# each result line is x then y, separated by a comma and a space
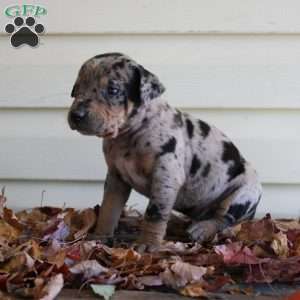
58, 259
60, 233
193, 290
122, 256
52, 288
283, 270
5, 296
8, 232
180, 274
104, 290
257, 230
287, 224
280, 244
88, 219
293, 296
89, 269
151, 280
236, 253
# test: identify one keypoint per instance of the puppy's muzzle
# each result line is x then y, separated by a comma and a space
77, 117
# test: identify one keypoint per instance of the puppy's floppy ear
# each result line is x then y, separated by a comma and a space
150, 86
144, 86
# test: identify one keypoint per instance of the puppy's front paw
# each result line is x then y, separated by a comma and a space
203, 231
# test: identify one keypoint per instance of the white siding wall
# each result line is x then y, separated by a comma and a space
232, 63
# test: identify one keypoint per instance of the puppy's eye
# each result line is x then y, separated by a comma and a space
112, 90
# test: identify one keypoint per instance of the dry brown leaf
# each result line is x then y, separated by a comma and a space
52, 288
193, 290
280, 244
88, 219
236, 253
5, 296
151, 280
88, 268
8, 232
58, 259
15, 264
11, 218
261, 230
259, 251
180, 274
121, 256
32, 216
287, 224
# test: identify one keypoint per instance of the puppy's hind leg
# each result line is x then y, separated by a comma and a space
239, 206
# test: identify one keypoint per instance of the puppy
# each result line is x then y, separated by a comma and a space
175, 160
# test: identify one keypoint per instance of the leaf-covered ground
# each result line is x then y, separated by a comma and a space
45, 249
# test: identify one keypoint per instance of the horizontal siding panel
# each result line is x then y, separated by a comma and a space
249, 72
38, 144
236, 123
202, 86
161, 16
81, 159
279, 200
27, 194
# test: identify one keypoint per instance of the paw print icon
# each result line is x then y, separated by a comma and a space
24, 32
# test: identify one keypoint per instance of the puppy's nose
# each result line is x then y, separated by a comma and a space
78, 115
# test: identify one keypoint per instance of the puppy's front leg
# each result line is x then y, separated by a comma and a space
164, 190
116, 194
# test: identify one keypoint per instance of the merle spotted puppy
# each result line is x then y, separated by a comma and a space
175, 160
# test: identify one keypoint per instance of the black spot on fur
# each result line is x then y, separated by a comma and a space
238, 211
153, 212
204, 127
225, 194
253, 208
116, 54
169, 146
118, 65
156, 88
178, 118
232, 155
189, 128
74, 90
118, 175
195, 166
127, 154
133, 87
147, 144
133, 112
145, 120
206, 170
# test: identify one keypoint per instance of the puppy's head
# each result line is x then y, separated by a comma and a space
108, 90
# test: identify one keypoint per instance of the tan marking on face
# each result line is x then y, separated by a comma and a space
113, 117
103, 81
130, 106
